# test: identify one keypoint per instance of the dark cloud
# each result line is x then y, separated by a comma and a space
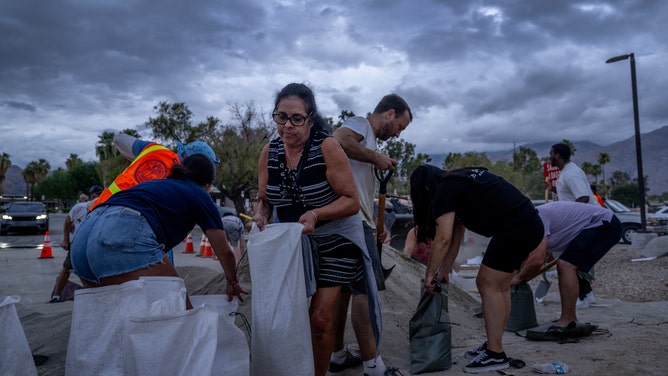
19, 106
476, 73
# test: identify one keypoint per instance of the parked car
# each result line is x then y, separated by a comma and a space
662, 211
631, 220
24, 216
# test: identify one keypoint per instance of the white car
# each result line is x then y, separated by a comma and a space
631, 220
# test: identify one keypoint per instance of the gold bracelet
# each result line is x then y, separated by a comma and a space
314, 215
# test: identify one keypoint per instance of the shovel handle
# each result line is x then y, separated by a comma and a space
383, 178
542, 270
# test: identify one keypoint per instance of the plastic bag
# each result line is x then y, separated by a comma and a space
430, 333
556, 367
522, 308
15, 357
281, 341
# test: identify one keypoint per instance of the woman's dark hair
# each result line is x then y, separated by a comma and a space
306, 94
197, 167
423, 183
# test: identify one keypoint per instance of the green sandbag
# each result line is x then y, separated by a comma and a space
522, 309
430, 332
541, 333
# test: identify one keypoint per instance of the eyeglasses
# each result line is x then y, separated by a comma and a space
296, 119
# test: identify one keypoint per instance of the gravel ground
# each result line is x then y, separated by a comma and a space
632, 281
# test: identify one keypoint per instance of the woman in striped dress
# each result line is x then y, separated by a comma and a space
306, 177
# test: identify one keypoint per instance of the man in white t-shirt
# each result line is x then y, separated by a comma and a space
358, 136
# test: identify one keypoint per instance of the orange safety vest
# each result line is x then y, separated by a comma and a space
153, 163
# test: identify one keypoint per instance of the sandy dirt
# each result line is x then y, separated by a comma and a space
630, 311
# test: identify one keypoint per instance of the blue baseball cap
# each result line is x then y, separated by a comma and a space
95, 189
196, 147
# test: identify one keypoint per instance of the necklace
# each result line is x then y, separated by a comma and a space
291, 161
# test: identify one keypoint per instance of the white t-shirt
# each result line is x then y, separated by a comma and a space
572, 183
362, 171
78, 212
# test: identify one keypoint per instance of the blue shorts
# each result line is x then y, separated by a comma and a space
113, 240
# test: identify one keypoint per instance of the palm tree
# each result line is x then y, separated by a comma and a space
73, 161
603, 159
34, 173
5, 164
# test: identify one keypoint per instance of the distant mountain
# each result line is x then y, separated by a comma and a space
622, 157
14, 183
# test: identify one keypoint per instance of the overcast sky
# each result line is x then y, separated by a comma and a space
479, 75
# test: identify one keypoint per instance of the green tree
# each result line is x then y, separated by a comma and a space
527, 163
73, 161
34, 173
174, 123
238, 145
5, 164
64, 186
619, 178
588, 168
468, 159
627, 194
112, 162
60, 187
603, 159
404, 153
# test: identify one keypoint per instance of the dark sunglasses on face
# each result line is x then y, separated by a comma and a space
296, 119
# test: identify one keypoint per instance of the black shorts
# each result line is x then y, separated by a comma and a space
512, 243
592, 244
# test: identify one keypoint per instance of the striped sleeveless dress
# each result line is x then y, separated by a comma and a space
294, 192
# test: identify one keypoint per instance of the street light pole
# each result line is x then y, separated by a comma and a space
636, 119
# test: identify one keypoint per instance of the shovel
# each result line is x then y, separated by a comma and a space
542, 289
383, 178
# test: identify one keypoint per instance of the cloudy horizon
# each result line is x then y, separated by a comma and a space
478, 75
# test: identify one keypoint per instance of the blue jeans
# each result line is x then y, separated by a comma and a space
113, 240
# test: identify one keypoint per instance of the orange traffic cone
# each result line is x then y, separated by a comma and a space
46, 248
201, 245
208, 251
189, 244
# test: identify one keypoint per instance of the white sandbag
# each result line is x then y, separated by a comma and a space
15, 356
179, 344
281, 340
220, 302
232, 352
164, 294
97, 336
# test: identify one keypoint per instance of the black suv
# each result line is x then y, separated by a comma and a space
24, 216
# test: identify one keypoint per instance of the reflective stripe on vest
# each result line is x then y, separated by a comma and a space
154, 162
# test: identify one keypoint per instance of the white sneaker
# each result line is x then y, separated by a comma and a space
591, 298
582, 304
